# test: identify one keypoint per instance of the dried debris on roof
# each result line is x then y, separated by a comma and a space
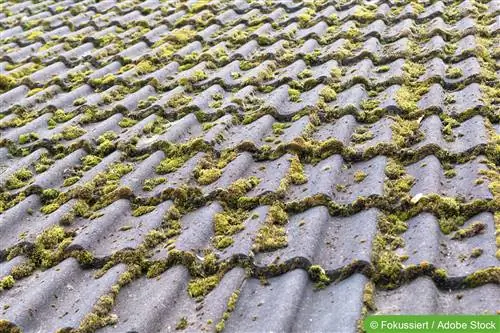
315, 161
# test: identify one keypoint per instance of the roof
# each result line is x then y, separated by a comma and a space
246, 166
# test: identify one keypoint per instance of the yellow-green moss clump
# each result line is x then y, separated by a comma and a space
272, 235
151, 183
208, 176
141, 210
296, 173
294, 95
474, 229
227, 224
318, 274
202, 286
7, 282
49, 247
19, 179
359, 176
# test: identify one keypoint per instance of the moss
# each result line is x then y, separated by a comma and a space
294, 95
365, 13
476, 252
318, 274
34, 35
202, 286
406, 133
145, 67
208, 176
279, 128
406, 99
182, 324
19, 179
454, 72
269, 238
141, 210
127, 122
72, 132
382, 69
222, 241
7, 282
227, 224
27, 137
71, 180
481, 277
328, 93
450, 173
23, 270
361, 134
151, 183
474, 229
6, 82
49, 194
79, 101
179, 100
90, 161
359, 176
49, 247
8, 327
296, 173
170, 164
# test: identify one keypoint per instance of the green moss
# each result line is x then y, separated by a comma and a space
28, 137
269, 238
328, 93
179, 100
208, 176
361, 134
450, 173
472, 230
127, 122
365, 13
382, 69
294, 95
151, 183
227, 224
49, 194
49, 208
406, 133
318, 274
141, 210
202, 286
34, 35
476, 252
19, 179
6, 82
145, 67
272, 235
72, 132
170, 164
359, 176
296, 173
488, 275
406, 99
182, 324
7, 282
23, 270
454, 72
222, 241
49, 247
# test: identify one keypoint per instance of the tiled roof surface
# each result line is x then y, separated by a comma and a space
247, 166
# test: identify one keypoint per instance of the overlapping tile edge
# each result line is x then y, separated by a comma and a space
191, 153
